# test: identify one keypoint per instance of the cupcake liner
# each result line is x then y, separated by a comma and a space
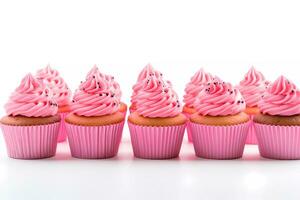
94, 142
188, 127
278, 142
219, 142
31, 142
251, 138
62, 133
163, 142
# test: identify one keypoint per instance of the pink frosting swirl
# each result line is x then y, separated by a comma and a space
147, 71
95, 96
193, 88
115, 86
110, 79
31, 99
281, 98
252, 87
157, 99
219, 99
51, 78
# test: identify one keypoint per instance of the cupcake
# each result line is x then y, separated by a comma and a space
278, 124
192, 89
115, 86
62, 94
252, 87
31, 126
95, 124
219, 128
147, 71
157, 126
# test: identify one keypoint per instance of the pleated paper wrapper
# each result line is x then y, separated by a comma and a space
31, 142
162, 142
94, 142
278, 142
219, 142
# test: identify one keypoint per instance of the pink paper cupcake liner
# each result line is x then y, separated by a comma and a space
278, 142
219, 142
150, 142
31, 142
188, 128
251, 138
94, 142
62, 135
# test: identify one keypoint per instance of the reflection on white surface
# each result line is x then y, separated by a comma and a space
125, 177
254, 181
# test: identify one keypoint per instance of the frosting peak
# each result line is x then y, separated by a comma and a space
110, 80
31, 99
219, 99
252, 87
51, 78
195, 85
157, 99
144, 74
281, 98
95, 96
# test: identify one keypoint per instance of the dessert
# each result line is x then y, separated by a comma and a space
157, 126
95, 124
278, 124
252, 87
31, 126
192, 89
61, 94
219, 128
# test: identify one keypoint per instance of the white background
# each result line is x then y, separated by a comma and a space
177, 37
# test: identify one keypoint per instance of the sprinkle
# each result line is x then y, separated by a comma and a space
107, 94
238, 101
100, 95
94, 77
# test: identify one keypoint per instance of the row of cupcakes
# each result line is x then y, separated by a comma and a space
214, 113
222, 117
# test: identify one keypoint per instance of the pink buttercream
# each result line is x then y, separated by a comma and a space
219, 99
157, 99
147, 71
196, 84
115, 86
95, 96
31, 99
252, 87
281, 98
60, 90
110, 79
